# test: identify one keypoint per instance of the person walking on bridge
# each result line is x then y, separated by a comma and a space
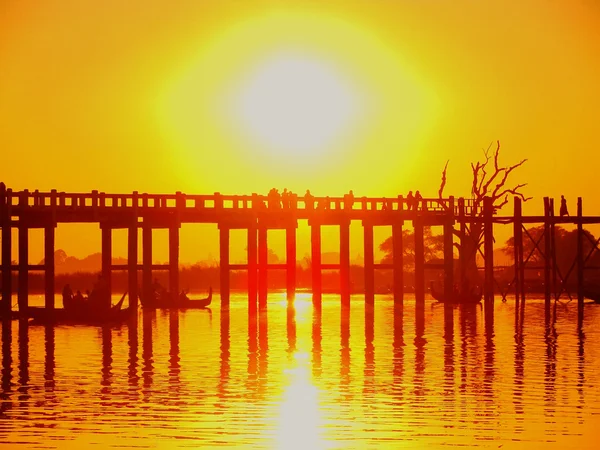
563, 206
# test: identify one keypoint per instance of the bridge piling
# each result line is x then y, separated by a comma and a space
419, 279
290, 250
580, 263
49, 266
449, 251
252, 269
107, 260
398, 263
519, 275
132, 264
23, 281
369, 265
345, 262
6, 250
263, 257
315, 251
224, 265
488, 249
174, 261
147, 260
548, 268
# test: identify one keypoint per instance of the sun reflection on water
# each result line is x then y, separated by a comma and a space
300, 420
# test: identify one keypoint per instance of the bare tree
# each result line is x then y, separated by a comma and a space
488, 181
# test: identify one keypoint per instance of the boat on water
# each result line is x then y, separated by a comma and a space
164, 301
458, 298
80, 314
592, 294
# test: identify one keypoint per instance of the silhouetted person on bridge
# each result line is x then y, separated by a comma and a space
309, 200
563, 206
410, 200
419, 201
349, 200
274, 199
285, 198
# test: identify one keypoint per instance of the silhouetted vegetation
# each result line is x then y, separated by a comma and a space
487, 182
434, 248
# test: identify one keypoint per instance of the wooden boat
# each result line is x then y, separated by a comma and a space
458, 298
83, 314
183, 301
592, 294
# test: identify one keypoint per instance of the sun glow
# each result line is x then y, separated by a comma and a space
300, 98
296, 104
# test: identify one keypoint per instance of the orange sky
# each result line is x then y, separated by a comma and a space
141, 95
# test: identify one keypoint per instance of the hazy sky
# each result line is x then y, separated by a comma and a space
238, 97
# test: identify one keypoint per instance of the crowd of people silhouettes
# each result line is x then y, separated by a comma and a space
287, 200
92, 300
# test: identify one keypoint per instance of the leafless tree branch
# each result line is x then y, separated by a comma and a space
443, 183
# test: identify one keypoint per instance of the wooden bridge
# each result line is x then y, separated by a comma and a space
255, 213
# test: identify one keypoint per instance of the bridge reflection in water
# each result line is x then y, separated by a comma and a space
299, 377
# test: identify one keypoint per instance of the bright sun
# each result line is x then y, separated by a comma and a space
294, 103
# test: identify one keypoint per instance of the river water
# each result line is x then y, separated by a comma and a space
297, 379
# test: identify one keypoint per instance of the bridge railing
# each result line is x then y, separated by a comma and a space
99, 200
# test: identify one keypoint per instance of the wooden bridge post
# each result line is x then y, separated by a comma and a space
547, 257
107, 260
263, 259
580, 263
462, 255
315, 252
49, 266
5, 218
147, 260
419, 279
174, 261
488, 247
369, 261
224, 265
252, 268
345, 262
398, 263
132, 264
518, 249
555, 288
290, 252
449, 251
23, 293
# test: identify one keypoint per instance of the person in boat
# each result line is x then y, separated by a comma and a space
158, 289
67, 295
78, 298
563, 206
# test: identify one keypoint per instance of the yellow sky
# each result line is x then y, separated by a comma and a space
145, 95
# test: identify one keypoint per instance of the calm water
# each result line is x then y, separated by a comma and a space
296, 379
